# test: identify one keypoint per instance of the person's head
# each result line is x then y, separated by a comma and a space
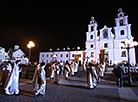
9, 62
42, 64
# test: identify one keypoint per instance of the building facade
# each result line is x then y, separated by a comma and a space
62, 56
109, 42
105, 40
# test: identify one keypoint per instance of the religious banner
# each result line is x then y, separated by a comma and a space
76, 58
101, 55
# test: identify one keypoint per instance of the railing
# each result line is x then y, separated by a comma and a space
132, 69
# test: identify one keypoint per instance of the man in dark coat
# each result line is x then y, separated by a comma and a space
119, 74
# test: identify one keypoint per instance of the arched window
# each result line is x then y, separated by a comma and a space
92, 28
91, 36
91, 46
105, 33
123, 54
122, 32
92, 54
121, 22
105, 45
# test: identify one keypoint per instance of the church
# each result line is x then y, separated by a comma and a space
108, 42
101, 44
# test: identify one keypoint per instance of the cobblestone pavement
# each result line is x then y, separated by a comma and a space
74, 89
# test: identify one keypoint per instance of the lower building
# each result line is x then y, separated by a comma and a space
62, 56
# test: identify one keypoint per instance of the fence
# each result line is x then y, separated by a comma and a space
132, 69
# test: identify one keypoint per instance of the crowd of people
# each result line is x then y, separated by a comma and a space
10, 76
95, 71
66, 69
9, 72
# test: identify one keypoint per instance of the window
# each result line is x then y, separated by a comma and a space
72, 55
92, 28
42, 55
121, 15
110, 62
60, 60
105, 45
123, 54
122, 32
47, 61
105, 33
121, 22
79, 55
91, 46
51, 55
91, 36
66, 55
47, 55
92, 54
61, 55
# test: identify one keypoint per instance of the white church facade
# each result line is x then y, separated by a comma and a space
106, 39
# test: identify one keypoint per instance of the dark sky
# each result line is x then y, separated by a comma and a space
58, 24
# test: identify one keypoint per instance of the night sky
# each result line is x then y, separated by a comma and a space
58, 24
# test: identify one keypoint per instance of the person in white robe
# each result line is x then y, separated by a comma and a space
12, 82
71, 68
66, 70
52, 74
9, 67
40, 80
91, 75
57, 73
75, 67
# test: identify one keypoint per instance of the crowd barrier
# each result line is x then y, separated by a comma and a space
132, 69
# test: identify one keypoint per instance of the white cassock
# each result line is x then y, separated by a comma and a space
41, 88
52, 71
9, 68
13, 83
92, 77
72, 69
75, 67
103, 69
67, 71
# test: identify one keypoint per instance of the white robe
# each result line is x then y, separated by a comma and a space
75, 67
67, 71
52, 71
13, 83
92, 78
42, 88
9, 68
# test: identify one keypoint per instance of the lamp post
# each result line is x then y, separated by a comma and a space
127, 47
30, 45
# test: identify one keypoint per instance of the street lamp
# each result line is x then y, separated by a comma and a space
127, 47
30, 45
